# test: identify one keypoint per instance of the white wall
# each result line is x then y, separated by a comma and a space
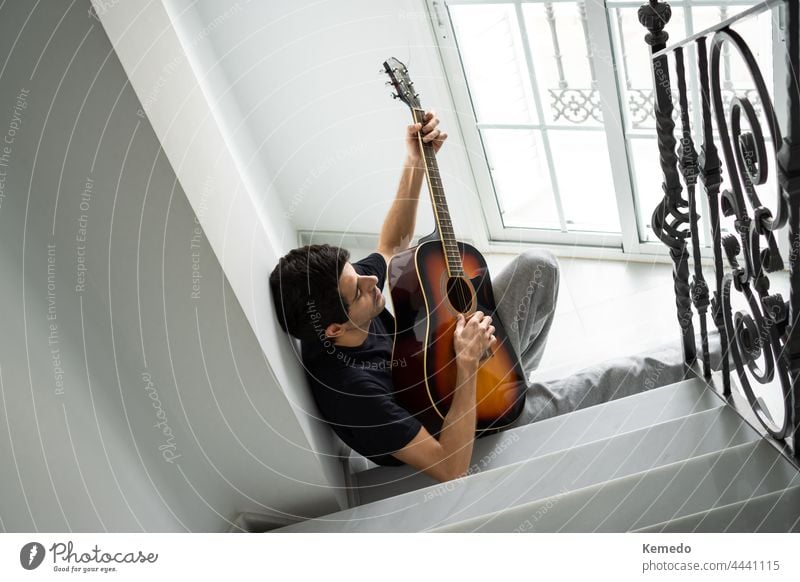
307, 103
79, 445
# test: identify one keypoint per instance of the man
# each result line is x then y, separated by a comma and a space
336, 309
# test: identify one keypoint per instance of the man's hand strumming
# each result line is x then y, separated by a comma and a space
473, 340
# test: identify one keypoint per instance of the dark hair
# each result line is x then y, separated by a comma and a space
305, 289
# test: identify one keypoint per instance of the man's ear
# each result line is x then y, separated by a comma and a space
335, 330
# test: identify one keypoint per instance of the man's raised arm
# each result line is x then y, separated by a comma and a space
398, 226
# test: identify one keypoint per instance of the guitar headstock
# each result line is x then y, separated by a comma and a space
399, 79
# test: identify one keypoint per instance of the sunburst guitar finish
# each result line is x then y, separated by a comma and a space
427, 302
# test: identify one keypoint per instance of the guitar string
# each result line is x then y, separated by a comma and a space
432, 154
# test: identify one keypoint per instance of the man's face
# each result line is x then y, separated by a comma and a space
362, 293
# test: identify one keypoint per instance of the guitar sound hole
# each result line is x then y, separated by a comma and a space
460, 294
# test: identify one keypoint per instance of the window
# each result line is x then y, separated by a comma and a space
561, 133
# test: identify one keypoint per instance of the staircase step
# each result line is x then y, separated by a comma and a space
553, 434
776, 512
556, 473
658, 495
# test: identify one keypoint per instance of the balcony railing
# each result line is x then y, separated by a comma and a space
757, 327
579, 104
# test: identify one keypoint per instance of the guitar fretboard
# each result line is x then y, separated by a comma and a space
440, 210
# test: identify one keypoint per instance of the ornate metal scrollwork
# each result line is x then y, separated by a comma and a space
669, 221
753, 332
640, 104
575, 105
762, 338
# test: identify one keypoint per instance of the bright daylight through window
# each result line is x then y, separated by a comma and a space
560, 109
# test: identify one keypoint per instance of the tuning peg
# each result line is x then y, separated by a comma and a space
388, 83
394, 95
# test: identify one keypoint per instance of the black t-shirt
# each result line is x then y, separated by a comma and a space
353, 386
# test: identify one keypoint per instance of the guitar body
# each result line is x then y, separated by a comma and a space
427, 302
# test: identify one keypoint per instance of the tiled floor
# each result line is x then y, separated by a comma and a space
605, 309
608, 309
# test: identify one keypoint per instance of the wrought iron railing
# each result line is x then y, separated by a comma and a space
763, 339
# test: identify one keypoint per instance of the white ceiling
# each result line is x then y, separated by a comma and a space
299, 88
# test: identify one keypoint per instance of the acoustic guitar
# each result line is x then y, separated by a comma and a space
430, 285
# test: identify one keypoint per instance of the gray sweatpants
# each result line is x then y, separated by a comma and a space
526, 292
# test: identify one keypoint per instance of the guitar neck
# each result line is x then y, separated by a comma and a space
441, 213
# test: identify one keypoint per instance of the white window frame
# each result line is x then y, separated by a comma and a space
629, 242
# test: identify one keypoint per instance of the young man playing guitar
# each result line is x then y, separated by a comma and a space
337, 310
